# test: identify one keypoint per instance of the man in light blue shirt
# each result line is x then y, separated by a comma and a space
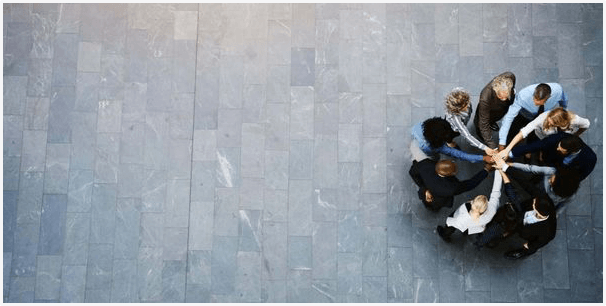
529, 103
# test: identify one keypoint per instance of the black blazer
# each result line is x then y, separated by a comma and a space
584, 162
443, 189
537, 234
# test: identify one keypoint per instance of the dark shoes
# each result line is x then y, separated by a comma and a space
494, 126
443, 234
517, 254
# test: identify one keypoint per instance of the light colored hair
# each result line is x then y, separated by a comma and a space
502, 83
456, 100
479, 204
560, 119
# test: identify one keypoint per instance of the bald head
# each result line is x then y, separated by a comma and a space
446, 167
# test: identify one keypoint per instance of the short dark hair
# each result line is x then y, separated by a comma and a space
437, 131
542, 91
571, 143
544, 205
567, 181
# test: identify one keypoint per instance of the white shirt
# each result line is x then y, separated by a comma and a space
536, 125
463, 221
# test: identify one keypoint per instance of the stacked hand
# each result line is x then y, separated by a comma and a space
499, 163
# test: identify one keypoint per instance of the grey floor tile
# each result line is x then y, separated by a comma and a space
173, 281
52, 222
22, 289
582, 278
149, 270
9, 220
99, 267
223, 265
48, 277
73, 280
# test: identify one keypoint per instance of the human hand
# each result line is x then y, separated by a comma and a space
488, 159
501, 147
428, 196
499, 163
489, 167
490, 151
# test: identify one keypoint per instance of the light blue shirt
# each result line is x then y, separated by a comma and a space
417, 133
524, 105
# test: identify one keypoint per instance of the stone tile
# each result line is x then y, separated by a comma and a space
132, 142
52, 220
325, 205
447, 65
173, 281
579, 233
300, 283
107, 157
374, 169
277, 128
302, 67
399, 230
327, 36
350, 182
186, 24
205, 145
89, 57
423, 83
447, 23
470, 30
77, 233
69, 23
276, 169
227, 172
300, 252
11, 173
278, 84
275, 236
175, 243
124, 284
30, 197
103, 208
583, 285
151, 232
519, 29
249, 230
19, 43
555, 267
229, 132
278, 40
503, 285
425, 254
301, 113
158, 90
351, 108
48, 278
34, 149
231, 82
22, 290
399, 274
251, 193
10, 199
349, 274
203, 181
226, 212
326, 120
39, 75
543, 51
36, 113
82, 155
136, 51
56, 173
569, 58
99, 267
180, 152
325, 163
300, 198
65, 59
303, 24
350, 232
223, 264
126, 239
477, 296
530, 287
374, 289
25, 250
350, 56
253, 154
200, 232
423, 41
253, 103
598, 209
301, 159
14, 94
73, 280
275, 205
248, 276
62, 102
149, 270
374, 251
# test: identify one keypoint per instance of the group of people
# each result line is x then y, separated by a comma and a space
538, 147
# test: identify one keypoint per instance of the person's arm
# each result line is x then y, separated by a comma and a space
512, 112
483, 112
540, 240
581, 123
495, 194
504, 154
473, 158
461, 128
564, 100
534, 168
471, 183
547, 142
510, 192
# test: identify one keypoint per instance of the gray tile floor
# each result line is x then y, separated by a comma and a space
259, 153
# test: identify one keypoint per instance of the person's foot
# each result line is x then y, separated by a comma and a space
516, 254
442, 233
494, 126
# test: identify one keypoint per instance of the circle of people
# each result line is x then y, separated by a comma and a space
538, 147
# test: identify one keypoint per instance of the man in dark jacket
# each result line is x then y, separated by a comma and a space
562, 149
536, 220
495, 99
438, 184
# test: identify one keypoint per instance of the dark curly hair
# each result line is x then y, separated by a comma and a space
437, 132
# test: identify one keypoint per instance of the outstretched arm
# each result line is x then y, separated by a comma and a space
513, 111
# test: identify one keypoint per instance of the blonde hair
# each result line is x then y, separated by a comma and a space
457, 100
558, 118
502, 83
478, 206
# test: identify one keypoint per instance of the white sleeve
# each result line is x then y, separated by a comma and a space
579, 122
495, 195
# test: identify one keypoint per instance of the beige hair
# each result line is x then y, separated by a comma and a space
558, 118
502, 83
478, 206
456, 100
